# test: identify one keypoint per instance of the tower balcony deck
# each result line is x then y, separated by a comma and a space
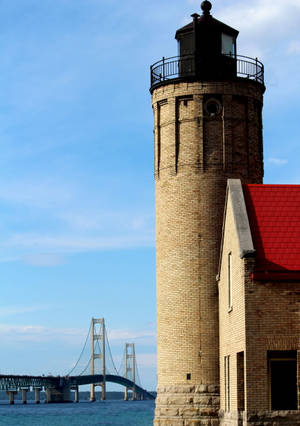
191, 67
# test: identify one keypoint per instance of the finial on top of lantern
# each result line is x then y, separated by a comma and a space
206, 7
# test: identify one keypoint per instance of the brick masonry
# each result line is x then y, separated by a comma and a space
265, 316
195, 153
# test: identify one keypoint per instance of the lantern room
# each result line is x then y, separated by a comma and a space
211, 43
206, 51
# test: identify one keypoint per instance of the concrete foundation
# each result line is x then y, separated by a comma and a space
56, 395
24, 395
260, 418
187, 405
76, 395
37, 395
11, 395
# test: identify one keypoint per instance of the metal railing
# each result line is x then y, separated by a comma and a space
19, 382
188, 66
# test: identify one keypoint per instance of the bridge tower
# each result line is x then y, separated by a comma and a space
98, 353
130, 368
207, 106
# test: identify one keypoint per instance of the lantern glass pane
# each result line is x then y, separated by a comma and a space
228, 45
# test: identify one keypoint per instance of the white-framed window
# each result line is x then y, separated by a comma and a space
227, 382
229, 281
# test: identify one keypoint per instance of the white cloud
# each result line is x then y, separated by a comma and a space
82, 220
49, 248
146, 360
43, 259
277, 161
263, 15
70, 243
294, 47
120, 334
28, 334
76, 225
262, 24
47, 193
16, 310
8, 259
40, 333
35, 333
95, 219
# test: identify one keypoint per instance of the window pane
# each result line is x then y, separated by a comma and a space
229, 281
227, 45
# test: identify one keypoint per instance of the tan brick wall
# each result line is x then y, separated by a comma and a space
194, 156
273, 323
231, 322
265, 317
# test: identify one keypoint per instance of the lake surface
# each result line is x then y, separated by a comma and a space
121, 413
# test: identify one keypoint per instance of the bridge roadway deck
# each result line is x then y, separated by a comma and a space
16, 383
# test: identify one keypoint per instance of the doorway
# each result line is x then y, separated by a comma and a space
283, 380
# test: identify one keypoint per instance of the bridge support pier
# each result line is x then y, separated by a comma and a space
76, 394
98, 352
134, 396
130, 368
103, 392
60, 394
92, 393
37, 395
24, 395
11, 395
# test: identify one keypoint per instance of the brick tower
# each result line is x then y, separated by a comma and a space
207, 106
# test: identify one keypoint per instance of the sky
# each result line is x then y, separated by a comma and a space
77, 215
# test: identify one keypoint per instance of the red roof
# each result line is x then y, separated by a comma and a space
274, 216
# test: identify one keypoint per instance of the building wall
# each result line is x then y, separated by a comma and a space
272, 324
195, 154
265, 316
231, 321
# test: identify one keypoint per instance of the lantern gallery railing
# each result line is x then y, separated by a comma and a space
188, 66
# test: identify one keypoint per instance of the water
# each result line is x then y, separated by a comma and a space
121, 413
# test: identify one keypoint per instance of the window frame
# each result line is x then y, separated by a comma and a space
230, 280
227, 382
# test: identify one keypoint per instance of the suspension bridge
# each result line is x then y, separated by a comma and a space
96, 371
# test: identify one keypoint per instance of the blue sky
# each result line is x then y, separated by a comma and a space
76, 165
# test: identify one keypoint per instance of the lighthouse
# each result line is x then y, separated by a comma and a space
207, 104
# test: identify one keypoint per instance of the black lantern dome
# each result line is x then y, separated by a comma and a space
213, 44
207, 51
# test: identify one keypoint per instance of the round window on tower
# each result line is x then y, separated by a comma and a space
212, 107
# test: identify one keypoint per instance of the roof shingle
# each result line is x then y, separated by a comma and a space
274, 216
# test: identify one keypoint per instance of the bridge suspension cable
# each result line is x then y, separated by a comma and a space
96, 359
86, 340
121, 370
98, 355
86, 368
58, 388
137, 376
110, 354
